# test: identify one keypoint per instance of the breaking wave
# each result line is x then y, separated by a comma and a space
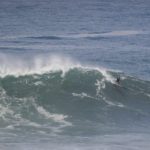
56, 95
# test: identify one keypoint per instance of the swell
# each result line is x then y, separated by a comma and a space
81, 87
72, 96
90, 36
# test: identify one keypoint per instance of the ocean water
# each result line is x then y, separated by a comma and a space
59, 61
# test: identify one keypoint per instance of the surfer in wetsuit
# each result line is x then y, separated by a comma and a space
118, 80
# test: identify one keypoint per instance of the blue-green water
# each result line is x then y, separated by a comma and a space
59, 61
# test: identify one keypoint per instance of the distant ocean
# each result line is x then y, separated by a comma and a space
59, 61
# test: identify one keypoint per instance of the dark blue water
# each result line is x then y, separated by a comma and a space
58, 64
114, 34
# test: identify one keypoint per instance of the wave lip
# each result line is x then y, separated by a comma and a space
35, 65
18, 66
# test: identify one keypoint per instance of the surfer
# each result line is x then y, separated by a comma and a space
118, 80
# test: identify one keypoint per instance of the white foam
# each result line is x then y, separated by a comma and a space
55, 117
39, 64
16, 119
11, 116
4, 110
4, 106
110, 103
82, 95
25, 122
19, 65
100, 85
60, 118
38, 83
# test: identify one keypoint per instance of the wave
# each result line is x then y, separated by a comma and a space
20, 65
53, 95
52, 37
88, 35
110, 34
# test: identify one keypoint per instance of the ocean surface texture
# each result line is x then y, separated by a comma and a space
59, 60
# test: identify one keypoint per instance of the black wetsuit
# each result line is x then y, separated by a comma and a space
118, 80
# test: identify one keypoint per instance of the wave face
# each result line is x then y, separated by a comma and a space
55, 102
